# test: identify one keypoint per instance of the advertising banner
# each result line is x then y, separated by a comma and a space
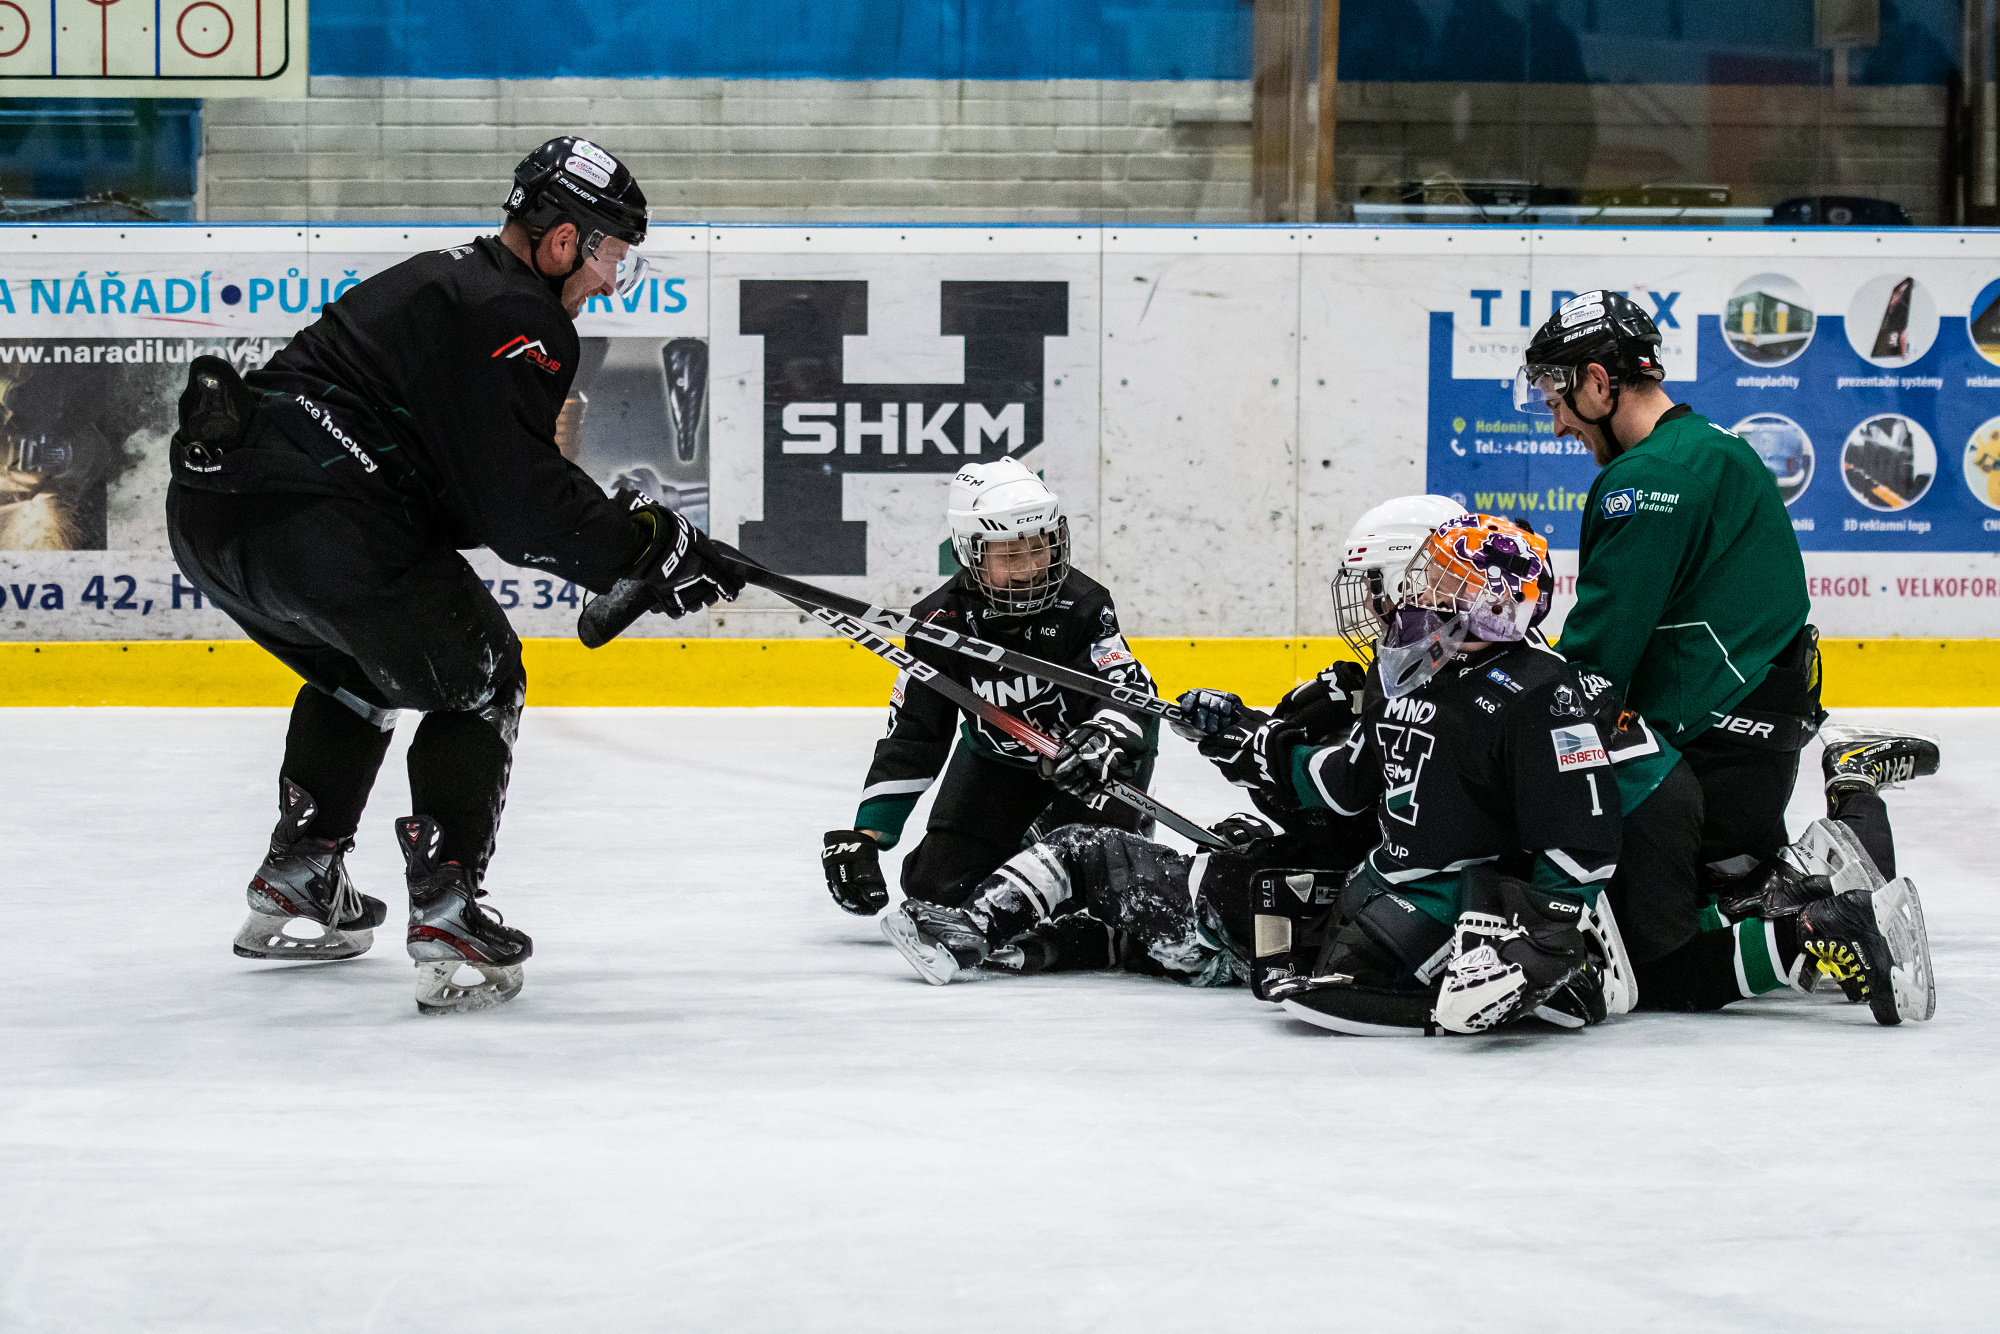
1866, 377
1214, 407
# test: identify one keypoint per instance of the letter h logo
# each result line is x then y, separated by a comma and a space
818, 427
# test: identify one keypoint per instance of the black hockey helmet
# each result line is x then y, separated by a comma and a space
1607, 328
573, 180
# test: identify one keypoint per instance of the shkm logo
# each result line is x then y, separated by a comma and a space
818, 427
519, 346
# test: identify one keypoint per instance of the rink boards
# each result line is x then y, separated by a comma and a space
1215, 406
752, 673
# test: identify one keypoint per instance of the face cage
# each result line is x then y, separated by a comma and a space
1538, 388
1360, 610
1488, 609
1038, 593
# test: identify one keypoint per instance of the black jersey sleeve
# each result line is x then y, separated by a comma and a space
1566, 803
909, 758
488, 419
1345, 778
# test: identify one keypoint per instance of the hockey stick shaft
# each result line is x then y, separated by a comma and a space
607, 617
1021, 730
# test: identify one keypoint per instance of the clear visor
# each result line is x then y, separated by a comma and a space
612, 258
1537, 389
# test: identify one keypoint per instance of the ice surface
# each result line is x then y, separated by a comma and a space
721, 1104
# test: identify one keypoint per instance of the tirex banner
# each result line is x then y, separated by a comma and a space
1864, 369
1215, 406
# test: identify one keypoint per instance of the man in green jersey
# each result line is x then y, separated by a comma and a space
1692, 604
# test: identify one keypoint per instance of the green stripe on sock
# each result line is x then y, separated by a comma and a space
1756, 958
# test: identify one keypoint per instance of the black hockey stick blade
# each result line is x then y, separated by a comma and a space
872, 639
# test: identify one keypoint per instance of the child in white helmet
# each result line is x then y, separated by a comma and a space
1016, 588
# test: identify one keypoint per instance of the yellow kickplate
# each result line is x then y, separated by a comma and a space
833, 672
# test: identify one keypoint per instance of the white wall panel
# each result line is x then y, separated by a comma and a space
1200, 430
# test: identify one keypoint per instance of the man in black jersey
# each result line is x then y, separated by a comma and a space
322, 505
1017, 589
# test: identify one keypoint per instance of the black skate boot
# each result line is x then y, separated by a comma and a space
302, 905
1073, 943
1876, 940
1775, 891
467, 958
939, 942
1870, 759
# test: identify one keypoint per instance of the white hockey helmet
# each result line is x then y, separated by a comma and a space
1008, 531
1379, 549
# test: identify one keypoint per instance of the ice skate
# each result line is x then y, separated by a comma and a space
302, 904
940, 943
467, 957
1873, 759
1877, 941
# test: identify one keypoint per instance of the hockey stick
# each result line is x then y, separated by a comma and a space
605, 618
1020, 729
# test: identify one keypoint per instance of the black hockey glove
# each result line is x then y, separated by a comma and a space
1327, 705
853, 866
1204, 713
680, 565
1258, 757
1241, 829
1107, 746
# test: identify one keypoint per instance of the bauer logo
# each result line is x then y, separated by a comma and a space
819, 427
1621, 504
1579, 747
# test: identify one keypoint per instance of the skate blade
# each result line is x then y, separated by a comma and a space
264, 936
440, 989
1899, 914
1830, 848
935, 966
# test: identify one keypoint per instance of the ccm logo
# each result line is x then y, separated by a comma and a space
1744, 726
519, 346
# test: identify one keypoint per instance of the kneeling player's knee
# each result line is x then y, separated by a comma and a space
1412, 937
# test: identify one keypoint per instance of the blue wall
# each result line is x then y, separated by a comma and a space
1555, 41
842, 39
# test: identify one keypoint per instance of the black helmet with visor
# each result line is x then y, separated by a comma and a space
1604, 327
570, 179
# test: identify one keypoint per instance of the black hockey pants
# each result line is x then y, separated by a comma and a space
376, 616
982, 816
1171, 914
1671, 838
